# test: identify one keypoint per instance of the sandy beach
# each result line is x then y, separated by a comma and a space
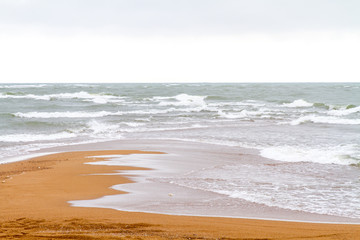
208, 120
34, 195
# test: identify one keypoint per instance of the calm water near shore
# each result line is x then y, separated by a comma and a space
310, 132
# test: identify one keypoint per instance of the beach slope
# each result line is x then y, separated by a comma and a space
34, 197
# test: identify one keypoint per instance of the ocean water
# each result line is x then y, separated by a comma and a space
312, 130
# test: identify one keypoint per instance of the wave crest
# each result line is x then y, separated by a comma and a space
101, 98
298, 103
23, 86
66, 114
324, 119
344, 111
343, 155
182, 100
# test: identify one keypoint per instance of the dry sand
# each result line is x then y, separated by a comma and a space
34, 195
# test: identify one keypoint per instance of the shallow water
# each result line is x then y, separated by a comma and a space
210, 180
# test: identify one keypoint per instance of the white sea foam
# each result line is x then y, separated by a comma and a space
98, 114
160, 129
232, 115
344, 111
96, 98
23, 86
324, 119
66, 114
182, 100
35, 137
152, 111
354, 87
343, 155
27, 96
300, 187
298, 195
298, 103
133, 124
83, 85
101, 128
242, 103
248, 114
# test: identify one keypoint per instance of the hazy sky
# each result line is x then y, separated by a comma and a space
179, 41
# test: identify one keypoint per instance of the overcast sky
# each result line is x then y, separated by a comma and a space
179, 40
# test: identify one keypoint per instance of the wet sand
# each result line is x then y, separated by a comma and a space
34, 195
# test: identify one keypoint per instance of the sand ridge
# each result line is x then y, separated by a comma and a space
34, 195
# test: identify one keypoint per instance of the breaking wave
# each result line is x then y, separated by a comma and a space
344, 111
101, 128
298, 103
24, 86
182, 100
66, 114
324, 119
343, 155
96, 98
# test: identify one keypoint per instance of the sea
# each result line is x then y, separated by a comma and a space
305, 138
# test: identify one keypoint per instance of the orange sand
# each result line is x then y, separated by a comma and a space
34, 195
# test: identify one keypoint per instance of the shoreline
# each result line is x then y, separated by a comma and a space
34, 198
177, 164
